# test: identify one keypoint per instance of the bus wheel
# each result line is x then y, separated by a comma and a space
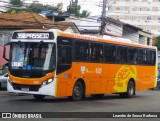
97, 95
130, 91
39, 97
78, 91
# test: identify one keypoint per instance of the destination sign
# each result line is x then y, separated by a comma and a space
33, 35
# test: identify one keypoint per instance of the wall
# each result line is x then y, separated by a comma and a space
131, 34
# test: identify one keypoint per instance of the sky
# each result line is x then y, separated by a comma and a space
93, 6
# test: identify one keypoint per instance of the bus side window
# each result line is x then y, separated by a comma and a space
81, 51
142, 56
64, 55
121, 54
151, 57
132, 55
109, 53
96, 52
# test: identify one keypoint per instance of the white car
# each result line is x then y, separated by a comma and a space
3, 81
3, 78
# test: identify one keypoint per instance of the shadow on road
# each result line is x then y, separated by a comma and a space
49, 99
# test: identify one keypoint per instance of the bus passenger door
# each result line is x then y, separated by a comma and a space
64, 63
96, 57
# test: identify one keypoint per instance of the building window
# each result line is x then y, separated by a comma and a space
139, 9
148, 27
148, 41
121, 16
148, 17
158, 27
131, 18
139, 17
122, 8
149, 9
131, 8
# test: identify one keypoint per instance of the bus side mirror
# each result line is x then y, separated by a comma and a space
4, 52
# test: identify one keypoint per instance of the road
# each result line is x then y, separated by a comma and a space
144, 101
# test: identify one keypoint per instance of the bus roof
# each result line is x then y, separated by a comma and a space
103, 40
87, 37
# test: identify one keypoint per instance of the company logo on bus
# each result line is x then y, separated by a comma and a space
33, 35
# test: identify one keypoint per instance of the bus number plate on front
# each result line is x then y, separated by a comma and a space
25, 89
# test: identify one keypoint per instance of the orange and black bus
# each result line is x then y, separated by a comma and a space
54, 63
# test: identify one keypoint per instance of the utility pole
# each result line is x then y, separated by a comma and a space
103, 18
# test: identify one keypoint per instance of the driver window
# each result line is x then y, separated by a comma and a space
64, 55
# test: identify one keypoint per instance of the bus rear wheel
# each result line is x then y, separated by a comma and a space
78, 92
130, 90
39, 97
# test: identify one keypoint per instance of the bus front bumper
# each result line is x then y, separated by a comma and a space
42, 90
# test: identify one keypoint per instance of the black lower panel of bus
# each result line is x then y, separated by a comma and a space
25, 87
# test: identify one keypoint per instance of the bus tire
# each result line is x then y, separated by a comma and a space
39, 97
97, 95
130, 90
78, 91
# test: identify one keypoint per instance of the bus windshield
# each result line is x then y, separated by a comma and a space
33, 56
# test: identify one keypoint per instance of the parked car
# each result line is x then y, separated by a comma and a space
3, 81
3, 77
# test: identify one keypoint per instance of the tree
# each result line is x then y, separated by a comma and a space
16, 6
38, 7
16, 3
157, 43
74, 8
84, 14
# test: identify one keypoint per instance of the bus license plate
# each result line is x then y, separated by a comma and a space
25, 89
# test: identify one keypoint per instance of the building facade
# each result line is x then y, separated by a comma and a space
144, 14
114, 28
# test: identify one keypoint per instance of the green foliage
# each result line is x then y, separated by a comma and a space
16, 6
84, 14
16, 3
74, 8
157, 43
38, 7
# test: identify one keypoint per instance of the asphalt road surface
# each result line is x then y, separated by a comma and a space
144, 101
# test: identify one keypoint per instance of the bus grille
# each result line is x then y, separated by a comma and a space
30, 87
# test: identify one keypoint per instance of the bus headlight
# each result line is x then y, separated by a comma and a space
47, 82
